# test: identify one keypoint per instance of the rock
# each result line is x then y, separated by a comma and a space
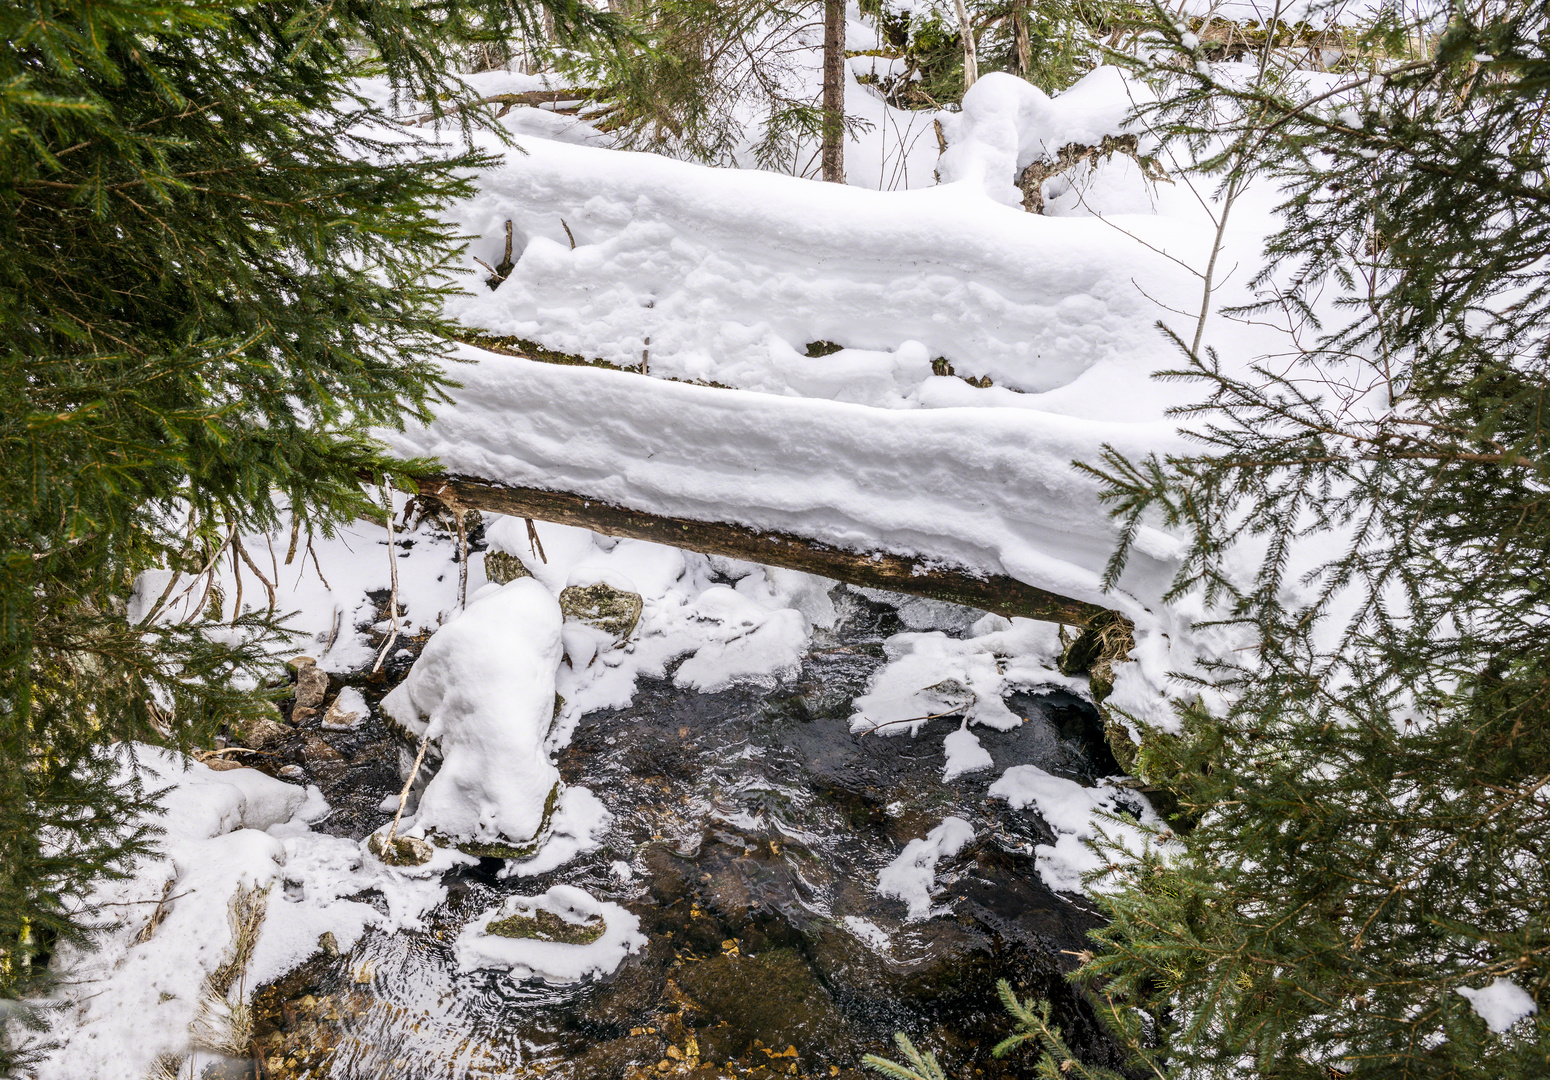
346, 711
325, 762
496, 849
611, 610
328, 943
544, 925
260, 732
501, 568
404, 851
293, 772
311, 687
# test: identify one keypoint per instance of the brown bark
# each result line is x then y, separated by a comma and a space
897, 573
1020, 37
833, 155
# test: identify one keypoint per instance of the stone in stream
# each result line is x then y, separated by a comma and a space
311, 687
614, 611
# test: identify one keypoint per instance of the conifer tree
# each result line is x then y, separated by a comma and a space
1363, 888
221, 269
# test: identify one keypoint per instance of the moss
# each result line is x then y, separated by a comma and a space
502, 568
544, 925
504, 849
603, 606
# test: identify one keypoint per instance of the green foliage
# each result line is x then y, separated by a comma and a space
1373, 796
1060, 41
221, 269
918, 1066
703, 77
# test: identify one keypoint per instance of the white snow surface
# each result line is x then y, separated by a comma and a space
1077, 815
1008, 123
130, 1000
911, 876
484, 685
551, 961
1500, 1003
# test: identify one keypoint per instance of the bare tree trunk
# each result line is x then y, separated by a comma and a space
971, 67
834, 91
1020, 37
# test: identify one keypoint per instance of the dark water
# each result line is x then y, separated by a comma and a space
755, 824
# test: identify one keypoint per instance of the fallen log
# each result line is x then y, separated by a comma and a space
877, 570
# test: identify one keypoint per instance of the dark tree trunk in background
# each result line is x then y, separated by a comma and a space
834, 91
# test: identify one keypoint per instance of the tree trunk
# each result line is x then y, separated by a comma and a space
971, 67
1020, 37
918, 576
834, 91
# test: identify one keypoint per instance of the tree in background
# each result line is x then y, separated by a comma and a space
713, 81
1364, 886
221, 270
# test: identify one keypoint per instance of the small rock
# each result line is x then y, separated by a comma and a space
293, 772
542, 925
611, 610
325, 762
346, 711
328, 943
502, 568
405, 850
260, 732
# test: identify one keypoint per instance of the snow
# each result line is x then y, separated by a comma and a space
911, 876
934, 674
1007, 124
1500, 1003
964, 754
347, 711
1078, 816
483, 689
551, 961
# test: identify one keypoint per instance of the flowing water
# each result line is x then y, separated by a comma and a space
754, 824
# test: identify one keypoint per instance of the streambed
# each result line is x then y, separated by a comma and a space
749, 829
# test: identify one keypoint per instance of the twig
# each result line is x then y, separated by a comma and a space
568, 233
403, 796
533, 543
914, 719
392, 637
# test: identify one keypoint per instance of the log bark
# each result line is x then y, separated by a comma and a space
971, 67
833, 152
913, 576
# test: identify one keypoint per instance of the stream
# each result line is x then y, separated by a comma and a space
749, 828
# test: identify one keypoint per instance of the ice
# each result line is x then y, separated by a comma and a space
551, 961
483, 689
1500, 1003
911, 877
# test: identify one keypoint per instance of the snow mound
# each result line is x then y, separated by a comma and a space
483, 688
555, 961
912, 876
1007, 124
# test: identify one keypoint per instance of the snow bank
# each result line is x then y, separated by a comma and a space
726, 275
551, 960
483, 689
912, 876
